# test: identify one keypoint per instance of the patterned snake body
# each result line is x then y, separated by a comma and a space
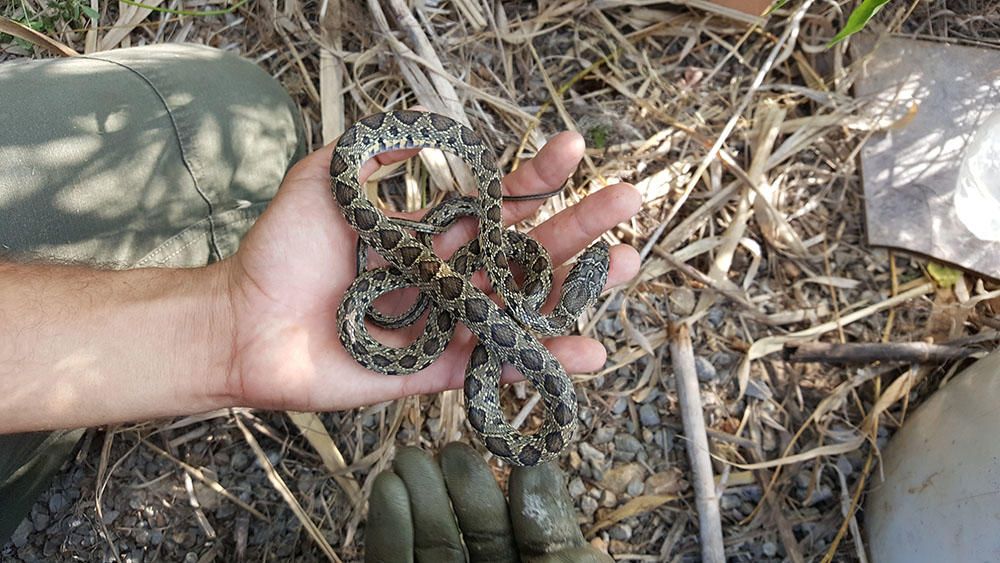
446, 292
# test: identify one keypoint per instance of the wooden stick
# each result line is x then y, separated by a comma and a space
863, 353
689, 397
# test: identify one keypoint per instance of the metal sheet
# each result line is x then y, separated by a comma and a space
938, 95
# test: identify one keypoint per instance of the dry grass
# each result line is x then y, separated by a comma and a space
744, 141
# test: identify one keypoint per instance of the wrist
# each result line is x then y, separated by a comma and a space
213, 332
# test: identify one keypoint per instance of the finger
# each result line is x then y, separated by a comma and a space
577, 354
479, 504
541, 512
555, 162
435, 536
383, 159
548, 170
389, 533
313, 171
575, 227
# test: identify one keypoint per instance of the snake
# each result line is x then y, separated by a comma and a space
507, 333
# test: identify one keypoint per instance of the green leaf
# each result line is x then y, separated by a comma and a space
858, 19
777, 5
598, 136
944, 276
91, 13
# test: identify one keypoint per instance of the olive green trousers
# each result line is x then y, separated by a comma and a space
159, 156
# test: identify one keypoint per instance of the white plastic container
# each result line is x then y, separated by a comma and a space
940, 500
977, 195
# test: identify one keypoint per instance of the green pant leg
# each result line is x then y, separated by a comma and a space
152, 156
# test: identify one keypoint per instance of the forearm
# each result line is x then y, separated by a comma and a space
82, 347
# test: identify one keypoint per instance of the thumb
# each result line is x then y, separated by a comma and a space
544, 518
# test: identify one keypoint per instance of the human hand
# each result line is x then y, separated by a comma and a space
427, 510
290, 273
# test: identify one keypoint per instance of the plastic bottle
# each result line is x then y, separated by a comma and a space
977, 195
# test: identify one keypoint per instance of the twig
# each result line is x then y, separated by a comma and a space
863, 352
286, 493
210, 482
709, 519
331, 71
21, 31
733, 294
789, 36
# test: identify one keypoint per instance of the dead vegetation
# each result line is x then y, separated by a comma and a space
743, 135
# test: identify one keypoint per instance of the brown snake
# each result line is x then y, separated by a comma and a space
446, 292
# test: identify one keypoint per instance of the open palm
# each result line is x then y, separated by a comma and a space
289, 276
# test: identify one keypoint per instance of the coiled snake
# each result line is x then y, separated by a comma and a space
446, 292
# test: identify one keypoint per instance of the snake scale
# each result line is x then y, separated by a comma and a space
505, 335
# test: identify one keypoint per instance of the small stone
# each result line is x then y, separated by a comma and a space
109, 517
21, 533
617, 546
239, 461
758, 390
621, 532
627, 443
591, 454
820, 494
620, 405
705, 370
136, 556
844, 465
607, 326
274, 457
191, 557
648, 415
40, 520
618, 478
716, 316
51, 547
588, 506
803, 479
730, 501
576, 487
750, 494
682, 301
142, 536
225, 511
603, 435
769, 440
156, 538
574, 460
769, 548
56, 503
634, 488
665, 482
609, 499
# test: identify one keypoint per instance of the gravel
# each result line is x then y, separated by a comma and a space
705, 370
648, 415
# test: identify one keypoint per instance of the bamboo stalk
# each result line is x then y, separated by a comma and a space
693, 417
